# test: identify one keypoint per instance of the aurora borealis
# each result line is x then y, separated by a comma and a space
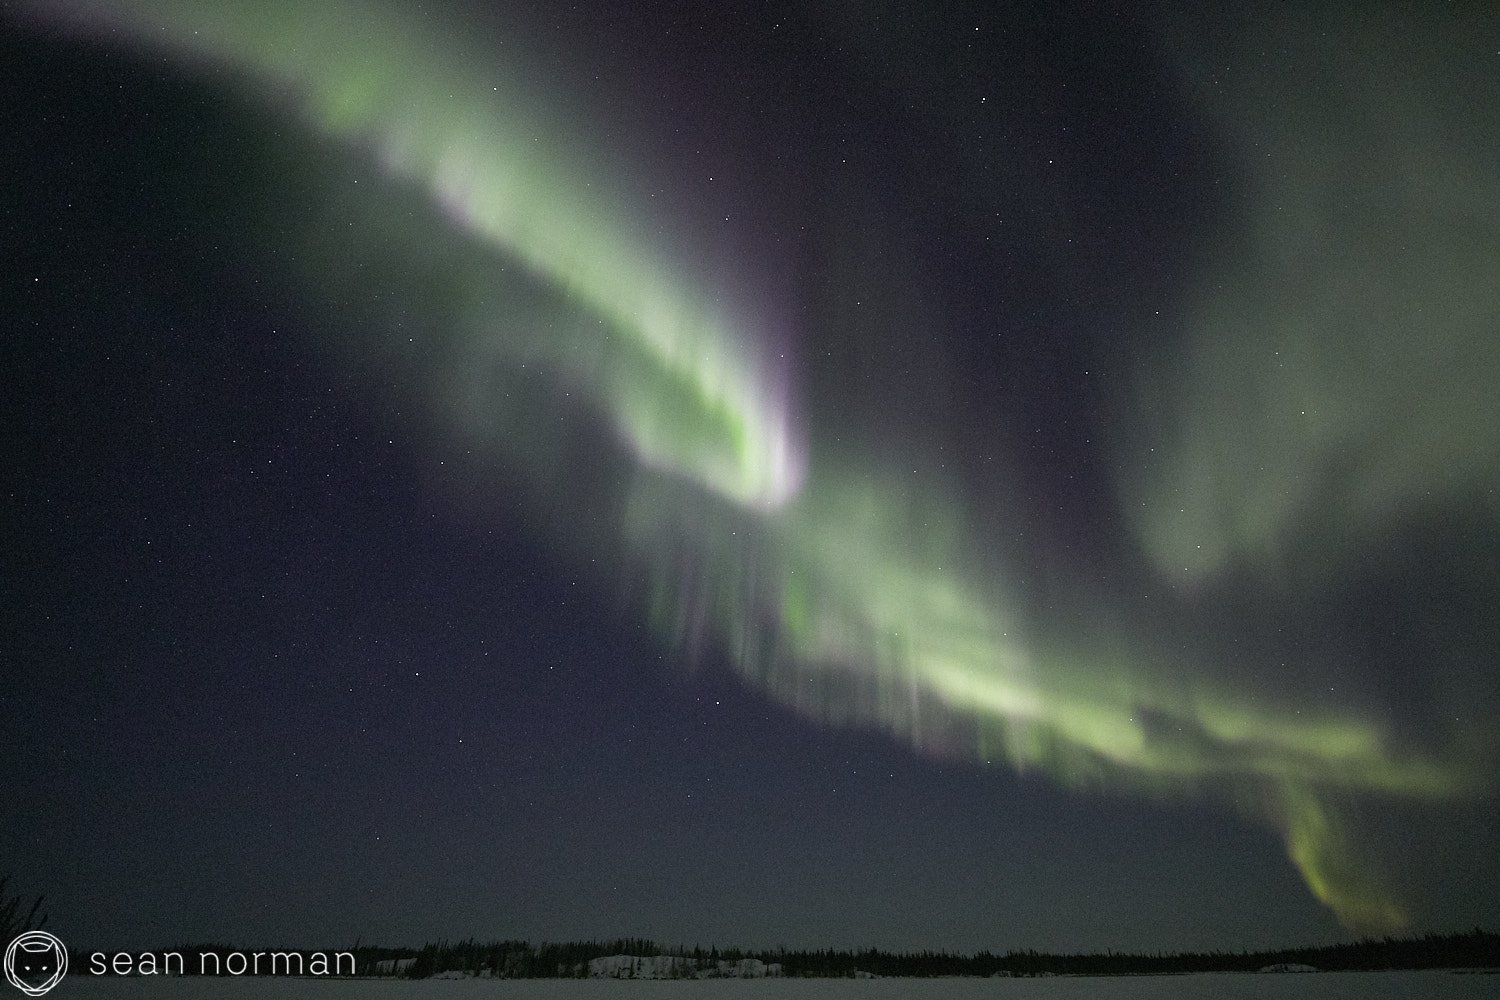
684, 392
1274, 593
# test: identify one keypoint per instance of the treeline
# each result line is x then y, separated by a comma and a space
521, 960
1474, 949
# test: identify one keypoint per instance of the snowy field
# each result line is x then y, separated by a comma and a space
1319, 986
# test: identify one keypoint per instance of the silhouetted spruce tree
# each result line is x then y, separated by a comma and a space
11, 921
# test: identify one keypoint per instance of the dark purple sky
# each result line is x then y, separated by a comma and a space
272, 673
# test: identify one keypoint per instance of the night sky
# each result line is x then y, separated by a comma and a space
911, 475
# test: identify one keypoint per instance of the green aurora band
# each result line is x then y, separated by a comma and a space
858, 597
368, 77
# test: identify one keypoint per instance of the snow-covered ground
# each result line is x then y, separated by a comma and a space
1249, 986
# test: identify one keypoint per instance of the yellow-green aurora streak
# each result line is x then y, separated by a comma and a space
840, 588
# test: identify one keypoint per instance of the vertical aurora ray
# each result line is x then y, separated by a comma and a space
849, 609
825, 576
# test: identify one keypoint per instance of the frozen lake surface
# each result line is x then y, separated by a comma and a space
1223, 986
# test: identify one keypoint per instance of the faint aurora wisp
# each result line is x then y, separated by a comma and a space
1338, 368
826, 577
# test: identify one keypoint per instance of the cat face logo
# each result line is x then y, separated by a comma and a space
35, 962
